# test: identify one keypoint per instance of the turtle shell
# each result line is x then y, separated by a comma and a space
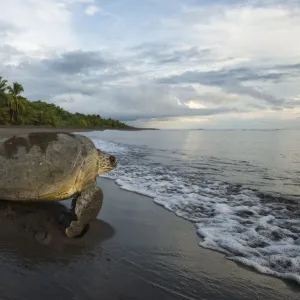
45, 166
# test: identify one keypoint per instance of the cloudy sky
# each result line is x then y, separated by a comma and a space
159, 63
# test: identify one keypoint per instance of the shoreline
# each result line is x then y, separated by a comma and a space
134, 250
167, 242
16, 130
8, 131
5, 131
197, 238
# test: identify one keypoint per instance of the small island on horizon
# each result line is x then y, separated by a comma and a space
16, 110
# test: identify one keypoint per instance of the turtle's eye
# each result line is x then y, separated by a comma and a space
113, 160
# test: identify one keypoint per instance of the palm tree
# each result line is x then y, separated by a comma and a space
15, 102
3, 86
21, 108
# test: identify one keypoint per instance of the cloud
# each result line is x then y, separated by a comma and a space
230, 80
289, 67
79, 1
31, 25
220, 77
180, 112
88, 81
7, 29
182, 60
131, 108
92, 10
164, 54
237, 88
249, 30
78, 61
212, 98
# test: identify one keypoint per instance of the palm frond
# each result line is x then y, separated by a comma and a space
10, 89
17, 88
3, 85
22, 106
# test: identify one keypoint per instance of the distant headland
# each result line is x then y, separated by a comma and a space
18, 110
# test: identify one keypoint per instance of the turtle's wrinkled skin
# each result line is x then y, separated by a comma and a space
53, 166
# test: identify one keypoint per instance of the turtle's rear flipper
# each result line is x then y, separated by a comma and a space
88, 205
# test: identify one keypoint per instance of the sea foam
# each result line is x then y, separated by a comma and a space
260, 231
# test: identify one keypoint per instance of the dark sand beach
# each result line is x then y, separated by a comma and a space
135, 250
7, 131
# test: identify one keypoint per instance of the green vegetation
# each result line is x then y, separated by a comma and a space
17, 110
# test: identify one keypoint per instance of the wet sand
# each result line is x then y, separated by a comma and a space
134, 250
8, 131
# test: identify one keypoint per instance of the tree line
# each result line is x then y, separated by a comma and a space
18, 110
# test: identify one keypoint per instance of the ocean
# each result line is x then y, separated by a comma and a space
240, 188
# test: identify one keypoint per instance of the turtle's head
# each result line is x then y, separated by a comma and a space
106, 162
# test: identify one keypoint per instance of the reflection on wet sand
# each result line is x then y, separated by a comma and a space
35, 232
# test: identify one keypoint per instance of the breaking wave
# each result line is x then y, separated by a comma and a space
256, 229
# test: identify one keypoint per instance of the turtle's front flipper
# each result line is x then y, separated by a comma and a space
88, 205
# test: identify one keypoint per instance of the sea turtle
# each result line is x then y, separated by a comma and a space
54, 166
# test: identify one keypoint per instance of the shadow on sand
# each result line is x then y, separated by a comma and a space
36, 232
